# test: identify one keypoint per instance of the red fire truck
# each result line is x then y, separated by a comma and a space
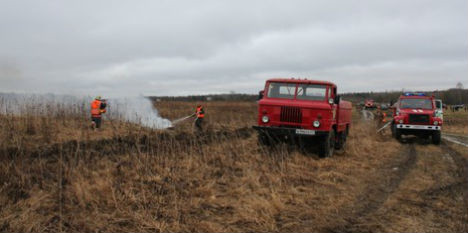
305, 111
370, 104
416, 114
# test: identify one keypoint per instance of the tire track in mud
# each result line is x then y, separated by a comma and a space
457, 139
462, 172
128, 143
376, 193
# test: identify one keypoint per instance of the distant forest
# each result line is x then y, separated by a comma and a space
454, 96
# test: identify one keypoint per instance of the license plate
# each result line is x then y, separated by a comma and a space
305, 131
418, 127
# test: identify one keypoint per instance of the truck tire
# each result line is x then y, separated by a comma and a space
340, 144
327, 145
396, 133
436, 137
263, 139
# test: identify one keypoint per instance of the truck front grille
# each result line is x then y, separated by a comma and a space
291, 114
419, 119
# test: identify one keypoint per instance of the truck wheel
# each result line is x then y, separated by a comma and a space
327, 145
436, 137
396, 133
341, 140
263, 139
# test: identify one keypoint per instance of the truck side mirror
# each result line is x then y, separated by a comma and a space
260, 95
337, 99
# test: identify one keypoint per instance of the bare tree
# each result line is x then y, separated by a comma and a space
459, 85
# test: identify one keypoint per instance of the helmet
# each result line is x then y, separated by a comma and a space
98, 97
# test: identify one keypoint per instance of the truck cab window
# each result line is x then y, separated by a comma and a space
311, 92
281, 90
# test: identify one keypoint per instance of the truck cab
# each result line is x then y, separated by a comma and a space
307, 110
417, 114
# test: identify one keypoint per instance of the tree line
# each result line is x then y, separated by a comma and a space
454, 96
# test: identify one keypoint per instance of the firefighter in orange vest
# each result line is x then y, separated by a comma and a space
98, 107
384, 117
381, 117
199, 114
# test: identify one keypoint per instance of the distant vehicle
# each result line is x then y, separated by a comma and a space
416, 114
370, 104
384, 106
455, 108
439, 109
303, 110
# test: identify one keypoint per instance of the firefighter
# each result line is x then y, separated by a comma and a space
381, 117
98, 107
199, 114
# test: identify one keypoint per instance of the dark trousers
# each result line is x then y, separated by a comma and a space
199, 123
97, 121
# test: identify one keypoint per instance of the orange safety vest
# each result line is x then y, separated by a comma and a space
200, 113
384, 117
96, 108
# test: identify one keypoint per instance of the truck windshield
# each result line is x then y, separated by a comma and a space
311, 92
281, 90
416, 103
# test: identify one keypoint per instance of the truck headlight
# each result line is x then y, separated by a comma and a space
265, 119
436, 123
401, 121
316, 124
331, 101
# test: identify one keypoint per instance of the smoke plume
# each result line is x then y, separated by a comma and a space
138, 110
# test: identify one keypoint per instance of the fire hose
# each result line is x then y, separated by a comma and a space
174, 122
385, 126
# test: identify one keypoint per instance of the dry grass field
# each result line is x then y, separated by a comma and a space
456, 122
58, 175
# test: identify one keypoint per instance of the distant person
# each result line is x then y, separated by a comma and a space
98, 107
381, 118
199, 114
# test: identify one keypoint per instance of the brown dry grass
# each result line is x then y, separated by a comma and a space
456, 122
136, 179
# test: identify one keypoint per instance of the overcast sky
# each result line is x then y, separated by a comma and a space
169, 47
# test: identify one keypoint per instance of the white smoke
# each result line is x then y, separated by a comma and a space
138, 110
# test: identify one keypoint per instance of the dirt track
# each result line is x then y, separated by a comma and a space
377, 192
422, 186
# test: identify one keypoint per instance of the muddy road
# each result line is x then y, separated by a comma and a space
422, 189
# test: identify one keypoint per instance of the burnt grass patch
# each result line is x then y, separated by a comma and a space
158, 141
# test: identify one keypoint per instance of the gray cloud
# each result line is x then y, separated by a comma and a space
195, 47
